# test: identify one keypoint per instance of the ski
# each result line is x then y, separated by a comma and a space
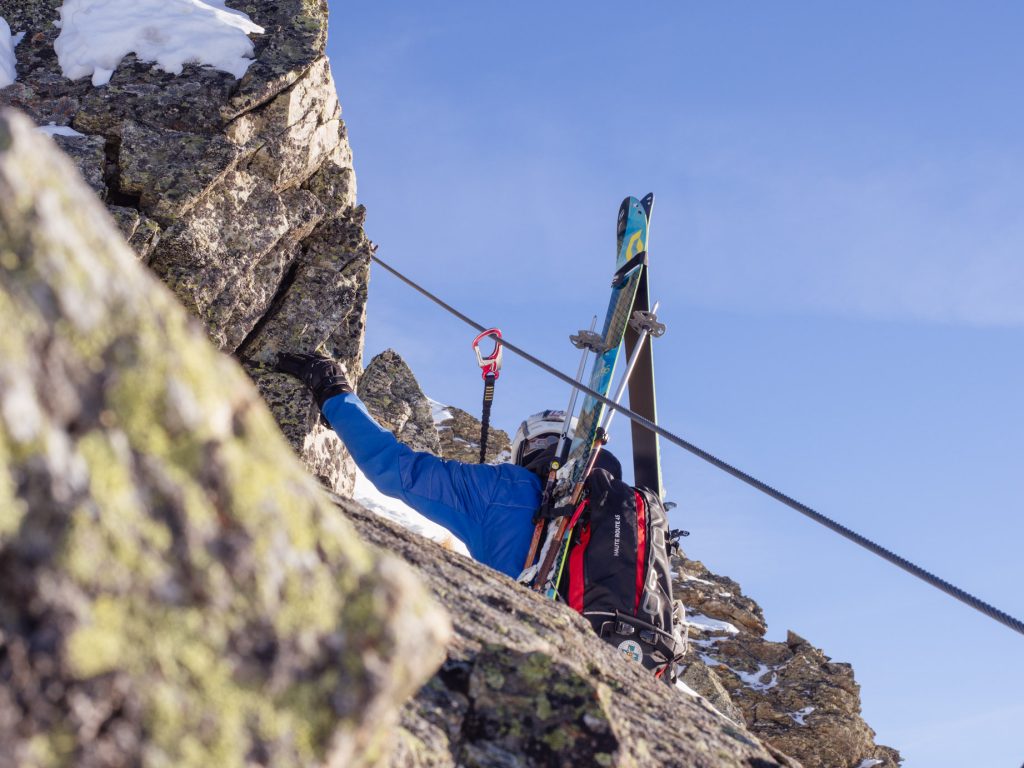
642, 400
631, 236
647, 326
631, 240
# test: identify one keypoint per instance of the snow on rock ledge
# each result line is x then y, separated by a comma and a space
240, 194
789, 694
7, 60
97, 34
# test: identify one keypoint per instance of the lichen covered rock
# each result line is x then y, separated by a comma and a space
174, 588
460, 438
240, 194
394, 398
527, 683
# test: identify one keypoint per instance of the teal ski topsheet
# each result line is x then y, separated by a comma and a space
631, 238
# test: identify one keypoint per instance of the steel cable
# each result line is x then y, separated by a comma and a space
901, 562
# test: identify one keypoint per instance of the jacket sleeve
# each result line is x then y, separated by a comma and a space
445, 492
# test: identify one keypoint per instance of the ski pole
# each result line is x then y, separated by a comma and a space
490, 369
563, 438
648, 325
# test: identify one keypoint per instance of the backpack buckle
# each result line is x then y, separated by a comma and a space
622, 628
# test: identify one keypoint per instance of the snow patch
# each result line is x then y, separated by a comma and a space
754, 680
96, 34
704, 642
60, 130
687, 689
688, 577
706, 624
8, 62
801, 715
439, 412
399, 512
870, 762
680, 685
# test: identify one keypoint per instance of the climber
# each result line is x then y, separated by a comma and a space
489, 507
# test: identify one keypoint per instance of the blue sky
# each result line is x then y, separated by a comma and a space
837, 246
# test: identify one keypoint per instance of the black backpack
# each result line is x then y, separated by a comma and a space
618, 573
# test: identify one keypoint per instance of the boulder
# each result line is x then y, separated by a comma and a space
175, 589
791, 695
394, 398
460, 438
526, 682
240, 194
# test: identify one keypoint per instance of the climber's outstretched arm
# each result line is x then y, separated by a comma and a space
449, 493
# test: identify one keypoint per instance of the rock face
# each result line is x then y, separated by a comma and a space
240, 194
394, 398
789, 694
174, 587
527, 683
460, 439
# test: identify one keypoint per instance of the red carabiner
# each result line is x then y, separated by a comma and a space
490, 365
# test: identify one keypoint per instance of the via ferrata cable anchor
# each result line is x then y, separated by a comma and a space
490, 369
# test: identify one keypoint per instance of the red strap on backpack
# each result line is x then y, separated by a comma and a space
576, 560
641, 550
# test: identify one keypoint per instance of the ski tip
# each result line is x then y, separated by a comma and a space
648, 203
620, 222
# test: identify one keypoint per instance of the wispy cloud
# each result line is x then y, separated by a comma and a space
922, 241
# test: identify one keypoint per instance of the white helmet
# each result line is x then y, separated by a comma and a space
539, 431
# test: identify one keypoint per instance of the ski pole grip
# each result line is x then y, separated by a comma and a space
490, 365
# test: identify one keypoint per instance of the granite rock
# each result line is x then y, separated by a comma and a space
790, 694
240, 194
175, 589
527, 683
394, 398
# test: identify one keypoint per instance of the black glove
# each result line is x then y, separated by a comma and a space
321, 374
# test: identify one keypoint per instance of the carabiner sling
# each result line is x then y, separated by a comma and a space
490, 369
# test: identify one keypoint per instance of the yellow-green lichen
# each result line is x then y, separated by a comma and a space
113, 541
196, 712
535, 668
99, 645
12, 509
494, 678
190, 522
558, 740
53, 749
544, 709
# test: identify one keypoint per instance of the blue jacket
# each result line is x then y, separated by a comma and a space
489, 507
